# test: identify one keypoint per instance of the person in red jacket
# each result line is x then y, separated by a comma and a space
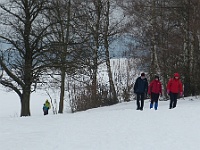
154, 90
174, 87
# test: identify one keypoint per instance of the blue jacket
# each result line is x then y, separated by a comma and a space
141, 85
45, 108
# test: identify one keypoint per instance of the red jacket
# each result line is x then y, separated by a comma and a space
155, 87
175, 85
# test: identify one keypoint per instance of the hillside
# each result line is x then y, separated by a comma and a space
118, 127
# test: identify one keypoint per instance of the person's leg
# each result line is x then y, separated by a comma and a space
44, 111
171, 100
156, 105
156, 101
152, 100
151, 104
138, 101
175, 99
142, 101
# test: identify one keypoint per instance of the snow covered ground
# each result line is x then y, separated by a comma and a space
118, 127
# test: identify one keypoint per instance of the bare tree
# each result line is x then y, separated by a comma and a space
168, 29
106, 33
92, 17
59, 16
22, 32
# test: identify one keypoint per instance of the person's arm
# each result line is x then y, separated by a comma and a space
49, 106
149, 88
135, 85
169, 86
160, 89
146, 88
181, 88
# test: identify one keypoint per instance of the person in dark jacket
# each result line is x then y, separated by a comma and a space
154, 90
140, 88
174, 87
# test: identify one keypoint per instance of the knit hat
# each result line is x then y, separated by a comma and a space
156, 76
176, 75
143, 74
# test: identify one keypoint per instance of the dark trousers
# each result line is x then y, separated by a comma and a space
154, 100
140, 101
45, 110
173, 100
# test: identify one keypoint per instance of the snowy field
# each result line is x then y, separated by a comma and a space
118, 127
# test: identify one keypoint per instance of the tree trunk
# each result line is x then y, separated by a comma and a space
64, 49
187, 51
62, 91
154, 60
113, 95
25, 102
94, 79
96, 35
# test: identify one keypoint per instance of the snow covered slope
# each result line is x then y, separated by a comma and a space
118, 127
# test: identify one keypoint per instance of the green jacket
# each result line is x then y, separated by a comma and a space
47, 104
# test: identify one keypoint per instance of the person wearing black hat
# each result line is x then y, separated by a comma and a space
140, 88
154, 90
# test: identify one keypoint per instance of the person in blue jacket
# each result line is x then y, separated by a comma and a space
140, 89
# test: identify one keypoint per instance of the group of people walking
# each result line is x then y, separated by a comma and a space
154, 89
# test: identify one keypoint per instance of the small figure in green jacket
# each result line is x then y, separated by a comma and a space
46, 107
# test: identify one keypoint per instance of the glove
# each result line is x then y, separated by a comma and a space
181, 94
168, 91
